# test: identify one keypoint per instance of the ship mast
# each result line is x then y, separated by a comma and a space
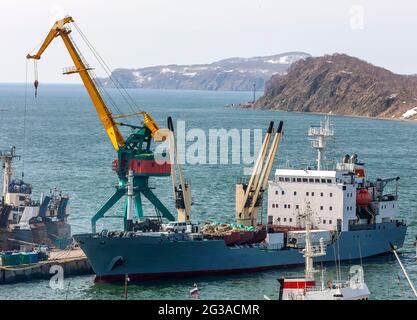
7, 158
319, 143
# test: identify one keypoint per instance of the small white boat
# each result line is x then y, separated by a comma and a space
306, 288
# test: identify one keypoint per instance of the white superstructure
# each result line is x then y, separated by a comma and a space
341, 199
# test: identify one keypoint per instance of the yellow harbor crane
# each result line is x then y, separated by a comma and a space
135, 158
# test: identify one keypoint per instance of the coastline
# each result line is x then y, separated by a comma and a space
240, 106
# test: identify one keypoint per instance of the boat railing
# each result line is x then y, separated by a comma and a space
329, 286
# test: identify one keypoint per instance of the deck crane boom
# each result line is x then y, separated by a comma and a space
182, 191
134, 154
249, 195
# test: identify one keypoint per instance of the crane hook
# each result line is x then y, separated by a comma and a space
36, 84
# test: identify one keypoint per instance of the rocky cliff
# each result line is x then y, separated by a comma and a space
340, 84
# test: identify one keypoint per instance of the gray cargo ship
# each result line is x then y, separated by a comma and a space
356, 218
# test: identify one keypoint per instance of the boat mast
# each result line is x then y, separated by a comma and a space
311, 252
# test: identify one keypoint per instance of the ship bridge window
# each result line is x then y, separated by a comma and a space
293, 180
317, 180
323, 180
287, 179
305, 180
329, 180
298, 179
280, 179
310, 180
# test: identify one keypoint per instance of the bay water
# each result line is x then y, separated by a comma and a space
63, 144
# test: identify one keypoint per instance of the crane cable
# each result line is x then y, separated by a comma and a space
102, 90
123, 92
24, 120
106, 68
36, 82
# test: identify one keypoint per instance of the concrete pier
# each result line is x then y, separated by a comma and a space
73, 262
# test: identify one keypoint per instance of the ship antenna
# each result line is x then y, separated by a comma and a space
319, 134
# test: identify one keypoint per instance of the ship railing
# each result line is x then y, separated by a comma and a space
327, 165
272, 247
358, 227
334, 285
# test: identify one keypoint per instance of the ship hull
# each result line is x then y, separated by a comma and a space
153, 256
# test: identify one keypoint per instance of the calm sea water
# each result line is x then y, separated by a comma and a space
63, 144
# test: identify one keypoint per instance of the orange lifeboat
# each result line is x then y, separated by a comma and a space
363, 198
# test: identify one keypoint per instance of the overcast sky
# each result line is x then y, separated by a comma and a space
138, 33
